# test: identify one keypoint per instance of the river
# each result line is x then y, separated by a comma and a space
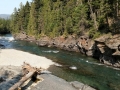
71, 66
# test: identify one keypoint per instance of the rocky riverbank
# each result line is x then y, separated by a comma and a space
11, 72
106, 49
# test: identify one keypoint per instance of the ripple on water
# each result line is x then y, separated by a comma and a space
50, 51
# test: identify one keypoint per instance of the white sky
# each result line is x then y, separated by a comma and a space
7, 6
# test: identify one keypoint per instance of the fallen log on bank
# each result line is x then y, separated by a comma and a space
28, 72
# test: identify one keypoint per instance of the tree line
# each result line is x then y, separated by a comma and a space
4, 26
67, 17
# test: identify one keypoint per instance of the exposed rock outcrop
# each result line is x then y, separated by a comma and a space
24, 36
105, 49
43, 41
109, 47
88, 47
81, 86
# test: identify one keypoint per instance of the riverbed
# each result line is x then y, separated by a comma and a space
71, 66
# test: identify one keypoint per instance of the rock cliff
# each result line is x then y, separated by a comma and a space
109, 48
106, 49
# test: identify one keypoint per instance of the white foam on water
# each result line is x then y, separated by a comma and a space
118, 74
47, 51
50, 51
73, 67
94, 63
9, 38
55, 51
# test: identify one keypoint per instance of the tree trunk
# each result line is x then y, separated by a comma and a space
29, 72
93, 15
25, 78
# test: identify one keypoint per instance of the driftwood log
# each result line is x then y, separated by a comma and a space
28, 72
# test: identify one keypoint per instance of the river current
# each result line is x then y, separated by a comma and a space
71, 66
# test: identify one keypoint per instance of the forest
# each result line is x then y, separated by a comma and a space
4, 26
66, 17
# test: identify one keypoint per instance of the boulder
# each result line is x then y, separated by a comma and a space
70, 44
58, 42
81, 86
43, 41
20, 36
88, 47
109, 48
30, 38
111, 41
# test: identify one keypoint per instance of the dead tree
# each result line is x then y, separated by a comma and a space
28, 72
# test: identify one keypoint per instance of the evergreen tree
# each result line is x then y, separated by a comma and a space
27, 14
4, 26
21, 17
67, 17
14, 21
31, 28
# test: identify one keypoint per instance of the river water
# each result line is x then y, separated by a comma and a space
71, 66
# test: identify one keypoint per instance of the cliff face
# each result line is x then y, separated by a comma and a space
110, 49
106, 49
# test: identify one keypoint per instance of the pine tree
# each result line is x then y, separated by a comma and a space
27, 15
14, 21
31, 28
21, 18
4, 26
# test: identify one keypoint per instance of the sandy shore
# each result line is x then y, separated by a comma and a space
16, 58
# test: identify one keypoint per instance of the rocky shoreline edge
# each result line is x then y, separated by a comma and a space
105, 49
9, 75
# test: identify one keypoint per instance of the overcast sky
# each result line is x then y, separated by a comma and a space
7, 6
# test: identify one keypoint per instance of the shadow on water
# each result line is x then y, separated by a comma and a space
75, 67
